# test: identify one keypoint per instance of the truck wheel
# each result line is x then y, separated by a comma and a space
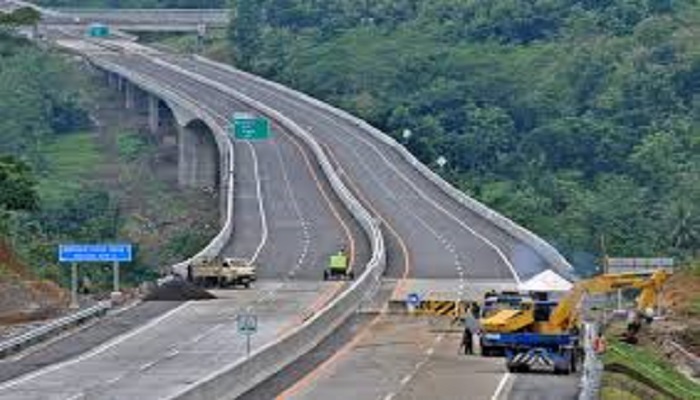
325, 275
246, 284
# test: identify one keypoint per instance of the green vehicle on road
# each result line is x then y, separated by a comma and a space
338, 267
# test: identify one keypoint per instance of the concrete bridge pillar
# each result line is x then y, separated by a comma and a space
112, 80
198, 164
153, 115
129, 96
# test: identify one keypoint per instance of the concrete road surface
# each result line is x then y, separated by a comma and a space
172, 352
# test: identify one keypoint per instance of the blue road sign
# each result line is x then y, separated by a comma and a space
95, 253
413, 299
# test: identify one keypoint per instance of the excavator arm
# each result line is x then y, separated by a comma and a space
565, 315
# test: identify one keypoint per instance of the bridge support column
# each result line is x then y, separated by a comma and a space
197, 157
120, 83
112, 80
154, 115
129, 95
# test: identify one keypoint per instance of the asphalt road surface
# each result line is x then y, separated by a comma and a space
402, 357
83, 339
304, 222
443, 238
172, 352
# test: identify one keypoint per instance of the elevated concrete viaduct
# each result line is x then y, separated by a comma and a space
199, 164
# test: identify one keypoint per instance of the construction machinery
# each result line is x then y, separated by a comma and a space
536, 333
338, 267
222, 272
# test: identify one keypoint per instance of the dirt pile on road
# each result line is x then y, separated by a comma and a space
178, 290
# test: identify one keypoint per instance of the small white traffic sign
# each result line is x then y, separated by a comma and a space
247, 324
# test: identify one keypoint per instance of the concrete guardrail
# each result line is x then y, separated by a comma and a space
45, 331
225, 146
240, 377
544, 249
236, 379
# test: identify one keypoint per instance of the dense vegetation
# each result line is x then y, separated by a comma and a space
577, 118
40, 101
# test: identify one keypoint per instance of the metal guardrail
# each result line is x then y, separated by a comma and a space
52, 328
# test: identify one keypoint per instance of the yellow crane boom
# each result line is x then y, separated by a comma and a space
564, 317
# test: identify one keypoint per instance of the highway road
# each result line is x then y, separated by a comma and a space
290, 221
286, 219
168, 17
403, 357
287, 223
173, 351
443, 239
396, 357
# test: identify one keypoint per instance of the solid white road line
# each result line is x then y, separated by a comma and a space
501, 386
261, 205
98, 350
297, 210
421, 193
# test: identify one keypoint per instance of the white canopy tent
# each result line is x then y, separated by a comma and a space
546, 281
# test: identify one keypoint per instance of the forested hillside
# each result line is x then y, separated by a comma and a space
577, 118
63, 180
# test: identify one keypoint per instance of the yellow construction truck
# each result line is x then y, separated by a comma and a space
538, 333
222, 272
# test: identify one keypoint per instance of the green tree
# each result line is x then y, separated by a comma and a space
17, 185
245, 29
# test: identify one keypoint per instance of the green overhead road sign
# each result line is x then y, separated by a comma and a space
250, 128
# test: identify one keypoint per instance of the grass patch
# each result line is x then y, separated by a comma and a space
130, 146
611, 393
70, 158
653, 367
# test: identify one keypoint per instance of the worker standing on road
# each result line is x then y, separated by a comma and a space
467, 344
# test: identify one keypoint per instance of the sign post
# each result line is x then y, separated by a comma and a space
74, 286
115, 277
248, 326
94, 253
